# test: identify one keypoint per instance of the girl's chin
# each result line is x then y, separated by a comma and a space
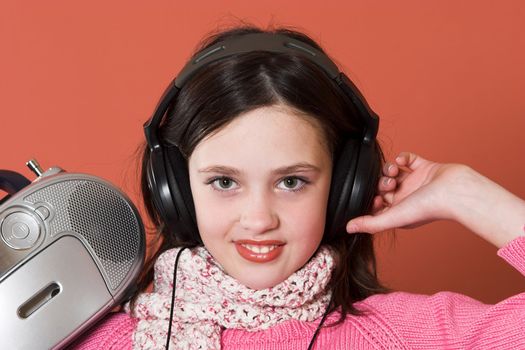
261, 282
259, 286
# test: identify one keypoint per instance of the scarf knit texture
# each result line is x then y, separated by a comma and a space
396, 320
208, 300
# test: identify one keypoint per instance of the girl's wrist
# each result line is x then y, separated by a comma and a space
488, 209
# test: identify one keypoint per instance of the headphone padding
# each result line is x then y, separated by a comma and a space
343, 177
182, 199
365, 182
159, 187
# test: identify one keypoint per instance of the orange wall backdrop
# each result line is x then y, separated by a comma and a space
78, 79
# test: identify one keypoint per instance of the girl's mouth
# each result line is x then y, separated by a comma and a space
259, 251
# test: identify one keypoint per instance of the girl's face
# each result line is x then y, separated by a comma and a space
260, 187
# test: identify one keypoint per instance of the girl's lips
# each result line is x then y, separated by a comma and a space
259, 251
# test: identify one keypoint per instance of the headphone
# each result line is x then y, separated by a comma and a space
354, 169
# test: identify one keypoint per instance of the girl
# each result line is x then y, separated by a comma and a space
253, 254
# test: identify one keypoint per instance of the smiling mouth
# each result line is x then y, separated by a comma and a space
260, 251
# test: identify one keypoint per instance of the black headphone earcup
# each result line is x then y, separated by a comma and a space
168, 183
159, 188
365, 184
343, 175
181, 197
353, 179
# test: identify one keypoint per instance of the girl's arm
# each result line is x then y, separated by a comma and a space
415, 191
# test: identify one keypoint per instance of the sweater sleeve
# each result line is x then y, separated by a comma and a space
455, 321
114, 332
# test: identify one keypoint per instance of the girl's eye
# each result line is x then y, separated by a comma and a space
223, 184
292, 183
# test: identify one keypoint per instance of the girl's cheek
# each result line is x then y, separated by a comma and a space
305, 216
214, 217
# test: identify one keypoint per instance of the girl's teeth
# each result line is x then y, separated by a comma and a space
258, 249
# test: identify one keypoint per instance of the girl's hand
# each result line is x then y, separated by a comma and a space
415, 191
411, 193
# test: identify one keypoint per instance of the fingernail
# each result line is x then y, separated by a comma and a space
398, 159
387, 181
390, 167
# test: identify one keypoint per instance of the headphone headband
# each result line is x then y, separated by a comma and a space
269, 42
277, 43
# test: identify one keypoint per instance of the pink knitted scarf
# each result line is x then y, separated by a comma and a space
207, 300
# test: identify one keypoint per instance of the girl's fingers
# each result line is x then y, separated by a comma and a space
403, 165
386, 184
401, 215
390, 169
378, 204
410, 160
401, 179
388, 198
394, 173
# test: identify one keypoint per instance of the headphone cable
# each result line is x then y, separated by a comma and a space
312, 342
173, 296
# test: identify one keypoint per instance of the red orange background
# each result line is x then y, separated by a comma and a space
78, 79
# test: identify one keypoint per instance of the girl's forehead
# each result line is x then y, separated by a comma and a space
266, 132
278, 121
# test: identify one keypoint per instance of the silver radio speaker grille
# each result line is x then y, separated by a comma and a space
101, 216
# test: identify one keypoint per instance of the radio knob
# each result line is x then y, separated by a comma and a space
20, 230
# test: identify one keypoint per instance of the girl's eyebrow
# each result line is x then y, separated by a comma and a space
221, 169
295, 168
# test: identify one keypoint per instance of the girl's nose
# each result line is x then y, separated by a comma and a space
258, 217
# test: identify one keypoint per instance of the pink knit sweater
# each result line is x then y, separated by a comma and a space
397, 321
